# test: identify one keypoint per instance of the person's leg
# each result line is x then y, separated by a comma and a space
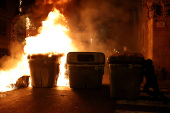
146, 89
157, 92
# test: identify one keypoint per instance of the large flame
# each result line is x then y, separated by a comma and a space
53, 36
52, 39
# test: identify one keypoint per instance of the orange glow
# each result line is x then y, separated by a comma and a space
9, 77
27, 23
62, 80
52, 39
55, 1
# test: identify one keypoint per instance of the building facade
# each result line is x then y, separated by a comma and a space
9, 9
12, 22
154, 33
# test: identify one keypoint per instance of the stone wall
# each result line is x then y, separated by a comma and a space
8, 10
155, 35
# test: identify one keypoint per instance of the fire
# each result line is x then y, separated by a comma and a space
52, 39
9, 77
62, 80
55, 2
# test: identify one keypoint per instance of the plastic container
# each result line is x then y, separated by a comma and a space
85, 69
125, 75
44, 70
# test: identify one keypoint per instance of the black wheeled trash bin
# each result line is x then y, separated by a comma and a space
125, 75
85, 69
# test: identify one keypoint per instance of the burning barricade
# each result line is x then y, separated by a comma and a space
52, 37
44, 70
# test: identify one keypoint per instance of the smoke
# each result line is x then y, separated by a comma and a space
95, 25
100, 25
16, 54
39, 11
13, 67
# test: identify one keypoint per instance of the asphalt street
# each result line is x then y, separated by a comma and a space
65, 100
62, 99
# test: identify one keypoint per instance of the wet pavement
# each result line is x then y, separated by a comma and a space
62, 99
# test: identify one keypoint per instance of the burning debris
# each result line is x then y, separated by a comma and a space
22, 81
44, 69
52, 39
47, 33
13, 67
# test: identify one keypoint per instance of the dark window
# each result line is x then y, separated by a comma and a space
3, 27
3, 4
3, 52
2, 30
85, 58
167, 10
157, 9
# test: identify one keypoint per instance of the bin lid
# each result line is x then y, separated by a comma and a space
44, 57
128, 58
90, 58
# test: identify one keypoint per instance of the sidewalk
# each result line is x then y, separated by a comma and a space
146, 100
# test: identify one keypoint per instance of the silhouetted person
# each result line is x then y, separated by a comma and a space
151, 81
164, 72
